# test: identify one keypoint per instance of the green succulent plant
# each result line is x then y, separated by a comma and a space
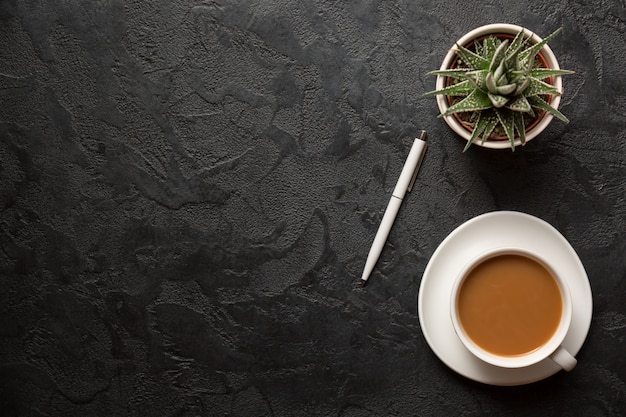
502, 84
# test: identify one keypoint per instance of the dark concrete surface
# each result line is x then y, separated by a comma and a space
189, 190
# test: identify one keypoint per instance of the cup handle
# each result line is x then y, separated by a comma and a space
564, 359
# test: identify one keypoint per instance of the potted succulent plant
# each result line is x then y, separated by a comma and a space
499, 82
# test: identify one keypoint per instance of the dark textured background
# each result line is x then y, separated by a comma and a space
189, 190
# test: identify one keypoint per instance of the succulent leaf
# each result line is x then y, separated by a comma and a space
503, 79
485, 125
528, 55
476, 100
499, 72
497, 100
543, 73
516, 75
478, 129
492, 122
507, 120
519, 126
498, 57
520, 104
513, 50
541, 104
489, 47
522, 85
478, 48
506, 89
490, 83
454, 73
460, 89
473, 60
538, 87
477, 78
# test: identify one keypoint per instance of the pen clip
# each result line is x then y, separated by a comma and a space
419, 164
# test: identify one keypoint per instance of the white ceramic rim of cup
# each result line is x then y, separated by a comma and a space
535, 356
510, 29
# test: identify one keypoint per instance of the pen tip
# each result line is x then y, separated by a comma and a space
423, 135
362, 283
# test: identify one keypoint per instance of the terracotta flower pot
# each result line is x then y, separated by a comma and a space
548, 58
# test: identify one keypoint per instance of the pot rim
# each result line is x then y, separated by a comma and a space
495, 28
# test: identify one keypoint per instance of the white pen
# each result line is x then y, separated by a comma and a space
404, 184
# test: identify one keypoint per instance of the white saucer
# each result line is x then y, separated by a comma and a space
493, 230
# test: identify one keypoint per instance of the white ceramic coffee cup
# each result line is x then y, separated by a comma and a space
552, 349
